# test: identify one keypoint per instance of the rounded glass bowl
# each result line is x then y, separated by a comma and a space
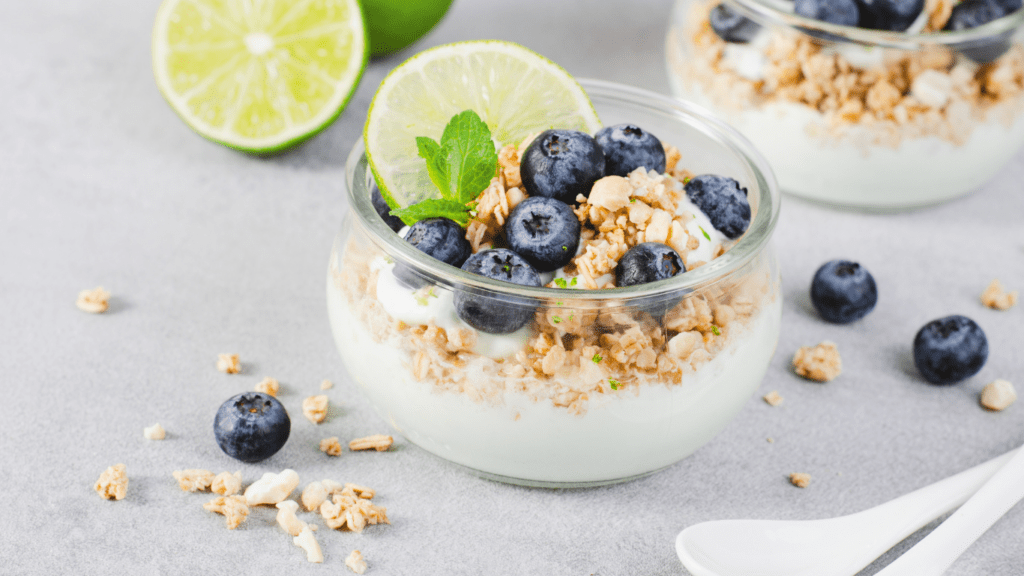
857, 117
598, 386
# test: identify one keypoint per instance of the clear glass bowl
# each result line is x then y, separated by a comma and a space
598, 387
857, 117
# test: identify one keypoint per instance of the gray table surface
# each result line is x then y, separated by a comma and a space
207, 250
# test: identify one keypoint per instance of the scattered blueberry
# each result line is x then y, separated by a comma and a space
843, 291
544, 231
842, 12
493, 313
732, 26
950, 349
724, 202
973, 13
627, 147
382, 208
251, 426
561, 164
894, 15
438, 238
650, 262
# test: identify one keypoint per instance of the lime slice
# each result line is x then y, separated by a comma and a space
514, 90
258, 76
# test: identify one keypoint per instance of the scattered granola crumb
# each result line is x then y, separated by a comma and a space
154, 432
287, 519
997, 298
361, 491
193, 479
227, 484
307, 542
771, 440
799, 479
313, 495
269, 386
347, 509
228, 363
821, 363
314, 408
326, 385
330, 446
773, 398
355, 562
378, 442
234, 509
998, 395
94, 301
272, 488
113, 483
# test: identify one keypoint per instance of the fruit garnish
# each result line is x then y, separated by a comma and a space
496, 313
251, 426
627, 147
514, 90
950, 349
461, 165
562, 164
395, 24
258, 77
544, 231
724, 202
843, 291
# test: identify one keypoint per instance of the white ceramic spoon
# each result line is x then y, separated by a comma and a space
832, 547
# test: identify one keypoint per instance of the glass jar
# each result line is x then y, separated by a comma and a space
598, 386
858, 117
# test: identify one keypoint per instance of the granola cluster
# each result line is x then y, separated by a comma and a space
820, 363
930, 92
997, 298
113, 483
497, 201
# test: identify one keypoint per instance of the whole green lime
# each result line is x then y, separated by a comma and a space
395, 24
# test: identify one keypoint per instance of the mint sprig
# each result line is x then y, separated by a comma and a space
461, 166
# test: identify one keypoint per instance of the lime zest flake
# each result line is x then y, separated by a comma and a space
703, 231
597, 359
614, 383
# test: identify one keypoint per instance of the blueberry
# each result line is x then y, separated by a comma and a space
383, 210
950, 349
732, 26
973, 13
647, 262
627, 147
544, 231
723, 201
561, 164
493, 313
251, 426
842, 12
895, 15
439, 238
843, 291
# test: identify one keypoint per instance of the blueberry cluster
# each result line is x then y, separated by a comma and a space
542, 233
946, 350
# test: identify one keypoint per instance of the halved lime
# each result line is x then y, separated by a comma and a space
258, 76
514, 90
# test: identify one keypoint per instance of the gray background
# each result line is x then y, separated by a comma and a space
207, 250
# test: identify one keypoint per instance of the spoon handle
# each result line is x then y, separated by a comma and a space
937, 551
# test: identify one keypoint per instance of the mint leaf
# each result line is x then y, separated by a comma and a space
431, 152
433, 208
469, 156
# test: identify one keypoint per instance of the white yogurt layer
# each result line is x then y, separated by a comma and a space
852, 171
621, 435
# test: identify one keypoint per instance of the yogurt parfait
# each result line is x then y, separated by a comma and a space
608, 302
871, 104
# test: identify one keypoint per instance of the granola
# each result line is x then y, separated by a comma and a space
378, 442
997, 298
348, 510
800, 479
154, 432
355, 562
113, 483
228, 363
908, 94
998, 395
331, 446
287, 519
821, 363
234, 509
773, 398
269, 386
227, 484
95, 301
314, 408
193, 479
326, 385
307, 542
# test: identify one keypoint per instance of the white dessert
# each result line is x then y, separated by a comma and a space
945, 133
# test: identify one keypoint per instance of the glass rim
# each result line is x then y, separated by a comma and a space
767, 12
749, 246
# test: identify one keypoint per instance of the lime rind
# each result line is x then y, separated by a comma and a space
516, 91
288, 94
